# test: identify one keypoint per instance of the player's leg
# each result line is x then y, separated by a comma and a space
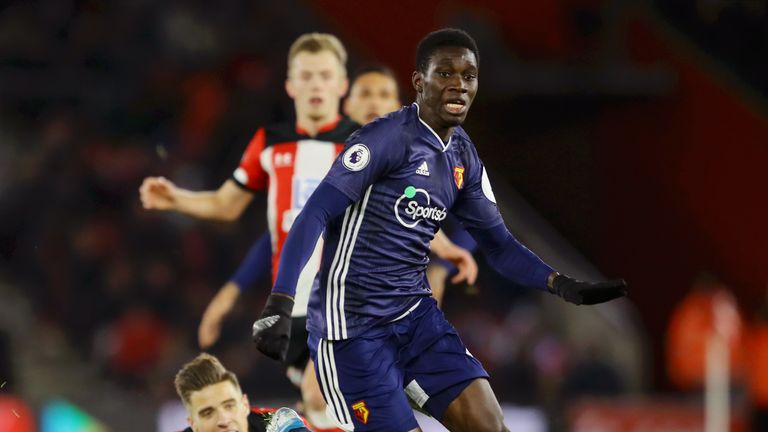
301, 372
475, 409
362, 383
314, 403
443, 378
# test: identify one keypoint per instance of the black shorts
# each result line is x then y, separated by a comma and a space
298, 351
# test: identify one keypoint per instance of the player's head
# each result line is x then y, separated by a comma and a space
445, 78
317, 75
374, 92
212, 396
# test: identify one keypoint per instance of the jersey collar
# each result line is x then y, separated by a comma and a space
331, 125
443, 145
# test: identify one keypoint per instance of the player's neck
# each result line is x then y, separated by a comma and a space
431, 120
311, 125
443, 133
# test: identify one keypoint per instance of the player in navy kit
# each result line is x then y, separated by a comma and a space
295, 163
374, 330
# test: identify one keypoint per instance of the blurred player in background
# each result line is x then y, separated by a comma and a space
215, 402
374, 93
294, 158
373, 327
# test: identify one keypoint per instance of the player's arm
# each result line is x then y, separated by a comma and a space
271, 331
517, 263
221, 304
255, 266
509, 257
370, 153
226, 203
477, 210
444, 248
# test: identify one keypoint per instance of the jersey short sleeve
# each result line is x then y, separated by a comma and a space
369, 154
476, 206
250, 174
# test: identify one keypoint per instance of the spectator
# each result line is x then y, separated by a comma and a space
757, 368
691, 325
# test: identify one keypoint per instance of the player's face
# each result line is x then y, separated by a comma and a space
448, 87
218, 407
372, 95
316, 82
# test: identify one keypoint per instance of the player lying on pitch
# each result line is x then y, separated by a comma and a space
214, 402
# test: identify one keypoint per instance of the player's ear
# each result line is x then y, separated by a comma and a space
246, 403
289, 88
417, 79
344, 87
345, 107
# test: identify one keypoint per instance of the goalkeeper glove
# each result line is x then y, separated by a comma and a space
271, 332
587, 293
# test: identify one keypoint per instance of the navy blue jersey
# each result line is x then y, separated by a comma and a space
403, 180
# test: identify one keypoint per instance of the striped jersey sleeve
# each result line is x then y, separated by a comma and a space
250, 174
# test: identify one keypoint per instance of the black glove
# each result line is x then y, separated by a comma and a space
272, 330
587, 293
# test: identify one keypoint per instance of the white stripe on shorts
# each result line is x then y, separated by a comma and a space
329, 383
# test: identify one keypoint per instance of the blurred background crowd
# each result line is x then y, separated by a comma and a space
625, 138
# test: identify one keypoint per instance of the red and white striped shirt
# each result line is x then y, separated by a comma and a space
292, 164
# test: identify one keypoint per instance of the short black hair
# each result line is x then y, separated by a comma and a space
373, 68
447, 37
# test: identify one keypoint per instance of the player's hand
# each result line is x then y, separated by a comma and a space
464, 262
443, 247
157, 193
271, 332
210, 326
587, 293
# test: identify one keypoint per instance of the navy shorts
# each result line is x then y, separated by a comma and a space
367, 380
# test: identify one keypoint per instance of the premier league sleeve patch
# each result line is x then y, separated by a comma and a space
356, 157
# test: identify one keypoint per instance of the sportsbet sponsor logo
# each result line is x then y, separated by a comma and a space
409, 211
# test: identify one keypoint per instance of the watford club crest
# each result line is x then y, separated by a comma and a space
361, 412
458, 176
